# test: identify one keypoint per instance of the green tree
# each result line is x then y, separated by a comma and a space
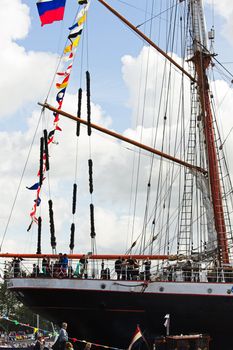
12, 308
9, 304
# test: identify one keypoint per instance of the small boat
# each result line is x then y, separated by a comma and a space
195, 342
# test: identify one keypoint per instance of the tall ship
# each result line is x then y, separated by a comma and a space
170, 256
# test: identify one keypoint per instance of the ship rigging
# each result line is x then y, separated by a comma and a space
184, 249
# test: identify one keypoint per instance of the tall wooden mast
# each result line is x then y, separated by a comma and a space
202, 60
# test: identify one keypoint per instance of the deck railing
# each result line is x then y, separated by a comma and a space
91, 269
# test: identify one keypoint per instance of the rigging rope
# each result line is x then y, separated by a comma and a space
136, 168
79, 110
41, 173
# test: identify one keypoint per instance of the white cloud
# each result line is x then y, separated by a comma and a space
14, 21
225, 9
25, 75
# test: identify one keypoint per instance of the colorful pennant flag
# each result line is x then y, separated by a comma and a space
64, 83
67, 72
70, 57
60, 95
51, 10
37, 201
80, 19
35, 329
34, 187
75, 32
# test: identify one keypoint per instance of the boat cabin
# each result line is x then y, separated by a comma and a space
183, 342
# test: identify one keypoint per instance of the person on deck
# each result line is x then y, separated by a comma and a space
147, 264
187, 270
45, 266
16, 267
35, 271
65, 264
77, 270
123, 269
83, 266
130, 268
135, 274
118, 265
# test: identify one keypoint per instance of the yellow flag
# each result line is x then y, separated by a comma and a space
82, 19
76, 41
68, 48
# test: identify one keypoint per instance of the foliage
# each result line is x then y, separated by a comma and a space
12, 308
9, 305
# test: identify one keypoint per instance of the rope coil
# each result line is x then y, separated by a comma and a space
46, 150
72, 231
88, 103
90, 168
52, 227
74, 198
93, 234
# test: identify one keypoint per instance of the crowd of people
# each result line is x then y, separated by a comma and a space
128, 269
125, 269
61, 343
59, 268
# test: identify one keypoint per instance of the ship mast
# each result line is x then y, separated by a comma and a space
202, 60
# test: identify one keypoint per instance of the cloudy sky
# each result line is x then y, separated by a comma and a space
29, 57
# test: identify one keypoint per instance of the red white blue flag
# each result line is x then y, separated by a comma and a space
137, 335
51, 10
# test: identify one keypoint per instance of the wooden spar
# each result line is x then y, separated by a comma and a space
148, 40
93, 257
202, 61
123, 138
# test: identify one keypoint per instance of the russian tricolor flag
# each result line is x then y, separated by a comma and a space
51, 10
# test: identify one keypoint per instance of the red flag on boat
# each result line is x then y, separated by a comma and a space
137, 335
51, 10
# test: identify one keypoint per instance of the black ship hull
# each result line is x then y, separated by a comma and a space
110, 317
